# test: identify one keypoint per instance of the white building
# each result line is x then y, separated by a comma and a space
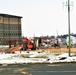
72, 39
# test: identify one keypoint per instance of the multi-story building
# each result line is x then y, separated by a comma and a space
10, 28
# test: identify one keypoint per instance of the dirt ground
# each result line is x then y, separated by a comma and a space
53, 50
64, 50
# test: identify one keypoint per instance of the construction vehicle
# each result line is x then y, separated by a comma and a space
28, 44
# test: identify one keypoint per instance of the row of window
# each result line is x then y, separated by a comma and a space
7, 41
12, 27
10, 34
11, 20
6, 19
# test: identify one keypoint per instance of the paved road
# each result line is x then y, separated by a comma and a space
39, 69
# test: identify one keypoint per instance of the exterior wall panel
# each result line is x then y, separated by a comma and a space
10, 27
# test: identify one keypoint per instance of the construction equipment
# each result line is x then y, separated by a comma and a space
28, 44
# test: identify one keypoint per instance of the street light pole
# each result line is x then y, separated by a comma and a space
69, 24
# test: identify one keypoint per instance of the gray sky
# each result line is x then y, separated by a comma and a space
41, 17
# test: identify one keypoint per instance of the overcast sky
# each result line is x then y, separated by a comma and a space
41, 17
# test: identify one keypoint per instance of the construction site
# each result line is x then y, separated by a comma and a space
35, 45
14, 47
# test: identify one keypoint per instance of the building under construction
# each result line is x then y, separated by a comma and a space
10, 29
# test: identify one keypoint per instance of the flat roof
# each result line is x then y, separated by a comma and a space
8, 15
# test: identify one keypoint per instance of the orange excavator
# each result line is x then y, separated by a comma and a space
28, 44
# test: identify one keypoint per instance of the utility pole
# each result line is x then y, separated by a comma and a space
69, 24
68, 5
57, 33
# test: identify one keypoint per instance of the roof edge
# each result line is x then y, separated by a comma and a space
2, 14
